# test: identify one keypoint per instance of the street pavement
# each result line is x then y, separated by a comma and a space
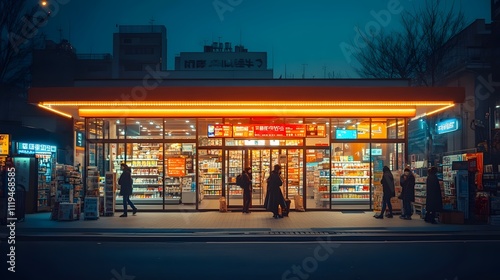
256, 226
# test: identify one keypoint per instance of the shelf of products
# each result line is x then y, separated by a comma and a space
44, 183
146, 163
210, 172
68, 188
294, 173
350, 182
234, 164
109, 194
420, 195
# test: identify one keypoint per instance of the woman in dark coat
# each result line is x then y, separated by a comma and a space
434, 199
407, 181
274, 196
125, 183
388, 192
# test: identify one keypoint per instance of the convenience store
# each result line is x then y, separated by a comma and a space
187, 140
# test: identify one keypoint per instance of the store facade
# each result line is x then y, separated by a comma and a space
186, 141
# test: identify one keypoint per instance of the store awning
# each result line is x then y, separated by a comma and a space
246, 101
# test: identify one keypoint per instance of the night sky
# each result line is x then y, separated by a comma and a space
296, 34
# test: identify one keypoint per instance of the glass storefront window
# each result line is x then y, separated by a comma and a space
401, 128
318, 178
350, 179
182, 128
115, 129
143, 128
350, 129
317, 139
210, 177
95, 128
380, 128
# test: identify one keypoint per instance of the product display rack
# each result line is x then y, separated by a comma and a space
44, 183
210, 172
146, 164
260, 170
235, 167
109, 194
294, 173
350, 183
420, 195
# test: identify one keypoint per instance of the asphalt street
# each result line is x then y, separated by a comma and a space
319, 259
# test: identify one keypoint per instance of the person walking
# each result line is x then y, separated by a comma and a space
246, 185
407, 181
125, 183
434, 199
274, 196
388, 192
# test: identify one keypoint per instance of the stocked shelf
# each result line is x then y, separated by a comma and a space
210, 173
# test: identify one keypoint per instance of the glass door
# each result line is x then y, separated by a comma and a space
294, 174
235, 163
318, 178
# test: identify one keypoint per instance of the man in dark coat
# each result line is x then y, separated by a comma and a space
125, 183
274, 196
434, 199
246, 185
407, 181
388, 192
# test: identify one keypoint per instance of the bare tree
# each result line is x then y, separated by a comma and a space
19, 24
416, 51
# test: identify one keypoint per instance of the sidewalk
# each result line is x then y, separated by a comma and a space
178, 224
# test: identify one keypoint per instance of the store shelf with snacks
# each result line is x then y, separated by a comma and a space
210, 173
350, 183
294, 174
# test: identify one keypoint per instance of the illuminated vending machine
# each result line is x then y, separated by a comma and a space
35, 165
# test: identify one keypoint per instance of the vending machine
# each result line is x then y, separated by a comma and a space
35, 165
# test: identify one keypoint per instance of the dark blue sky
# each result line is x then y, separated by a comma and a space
293, 32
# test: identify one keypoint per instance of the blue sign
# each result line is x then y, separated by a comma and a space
31, 148
446, 126
80, 139
346, 134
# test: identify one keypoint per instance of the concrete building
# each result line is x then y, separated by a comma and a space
468, 64
137, 48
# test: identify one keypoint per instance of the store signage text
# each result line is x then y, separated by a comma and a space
265, 130
446, 126
4, 144
31, 149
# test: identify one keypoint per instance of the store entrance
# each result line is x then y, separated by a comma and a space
262, 160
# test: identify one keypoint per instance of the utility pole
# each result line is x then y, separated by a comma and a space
304, 71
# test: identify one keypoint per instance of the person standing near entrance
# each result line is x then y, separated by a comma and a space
407, 181
388, 192
246, 185
274, 196
434, 199
125, 183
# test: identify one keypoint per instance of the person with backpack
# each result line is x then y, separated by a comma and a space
244, 180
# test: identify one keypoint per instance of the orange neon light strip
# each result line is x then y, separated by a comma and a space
255, 112
244, 103
432, 112
55, 111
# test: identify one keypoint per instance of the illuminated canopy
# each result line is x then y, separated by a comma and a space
246, 101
